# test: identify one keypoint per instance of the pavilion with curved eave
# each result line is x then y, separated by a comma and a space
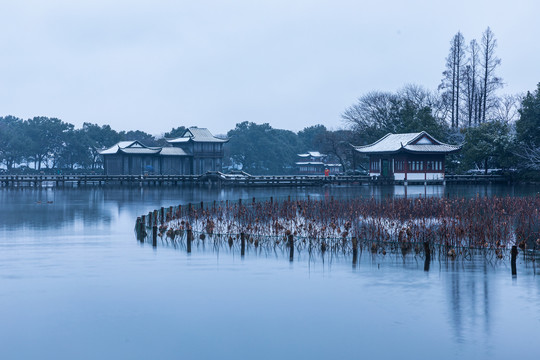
195, 152
407, 157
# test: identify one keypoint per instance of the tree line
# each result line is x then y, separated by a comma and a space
497, 131
43, 143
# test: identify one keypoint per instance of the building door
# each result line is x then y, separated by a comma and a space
384, 170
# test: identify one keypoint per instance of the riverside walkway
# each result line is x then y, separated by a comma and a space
221, 179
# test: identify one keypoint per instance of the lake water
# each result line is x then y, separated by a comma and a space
75, 284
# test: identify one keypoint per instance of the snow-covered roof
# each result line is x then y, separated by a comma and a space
197, 135
310, 163
135, 147
313, 154
420, 142
129, 147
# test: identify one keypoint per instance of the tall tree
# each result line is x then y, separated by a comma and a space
452, 81
47, 136
309, 137
99, 137
489, 64
13, 141
528, 124
261, 149
373, 115
489, 145
470, 84
409, 110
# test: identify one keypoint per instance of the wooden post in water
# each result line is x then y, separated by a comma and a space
162, 215
154, 235
189, 240
514, 253
242, 244
291, 247
354, 251
271, 199
428, 255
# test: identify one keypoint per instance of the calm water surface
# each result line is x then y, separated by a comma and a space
75, 284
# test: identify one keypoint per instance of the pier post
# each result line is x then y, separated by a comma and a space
291, 247
189, 240
514, 254
242, 244
162, 215
427, 251
354, 251
154, 235
143, 226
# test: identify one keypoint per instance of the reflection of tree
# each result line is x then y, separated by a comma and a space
469, 298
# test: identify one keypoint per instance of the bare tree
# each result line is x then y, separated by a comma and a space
507, 107
470, 84
489, 64
451, 81
530, 156
422, 97
372, 111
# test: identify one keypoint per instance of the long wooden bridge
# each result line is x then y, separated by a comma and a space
221, 179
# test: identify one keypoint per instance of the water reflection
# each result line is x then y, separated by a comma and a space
94, 281
56, 207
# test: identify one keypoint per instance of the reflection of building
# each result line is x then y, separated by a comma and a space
314, 163
195, 152
413, 156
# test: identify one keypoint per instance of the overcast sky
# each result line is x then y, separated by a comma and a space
154, 65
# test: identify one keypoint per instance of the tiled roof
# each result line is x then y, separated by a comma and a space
412, 142
114, 149
142, 151
197, 135
135, 147
173, 151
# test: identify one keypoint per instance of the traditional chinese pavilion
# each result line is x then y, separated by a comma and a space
195, 152
315, 163
407, 157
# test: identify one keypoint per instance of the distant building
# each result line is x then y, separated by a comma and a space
315, 163
412, 156
195, 152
